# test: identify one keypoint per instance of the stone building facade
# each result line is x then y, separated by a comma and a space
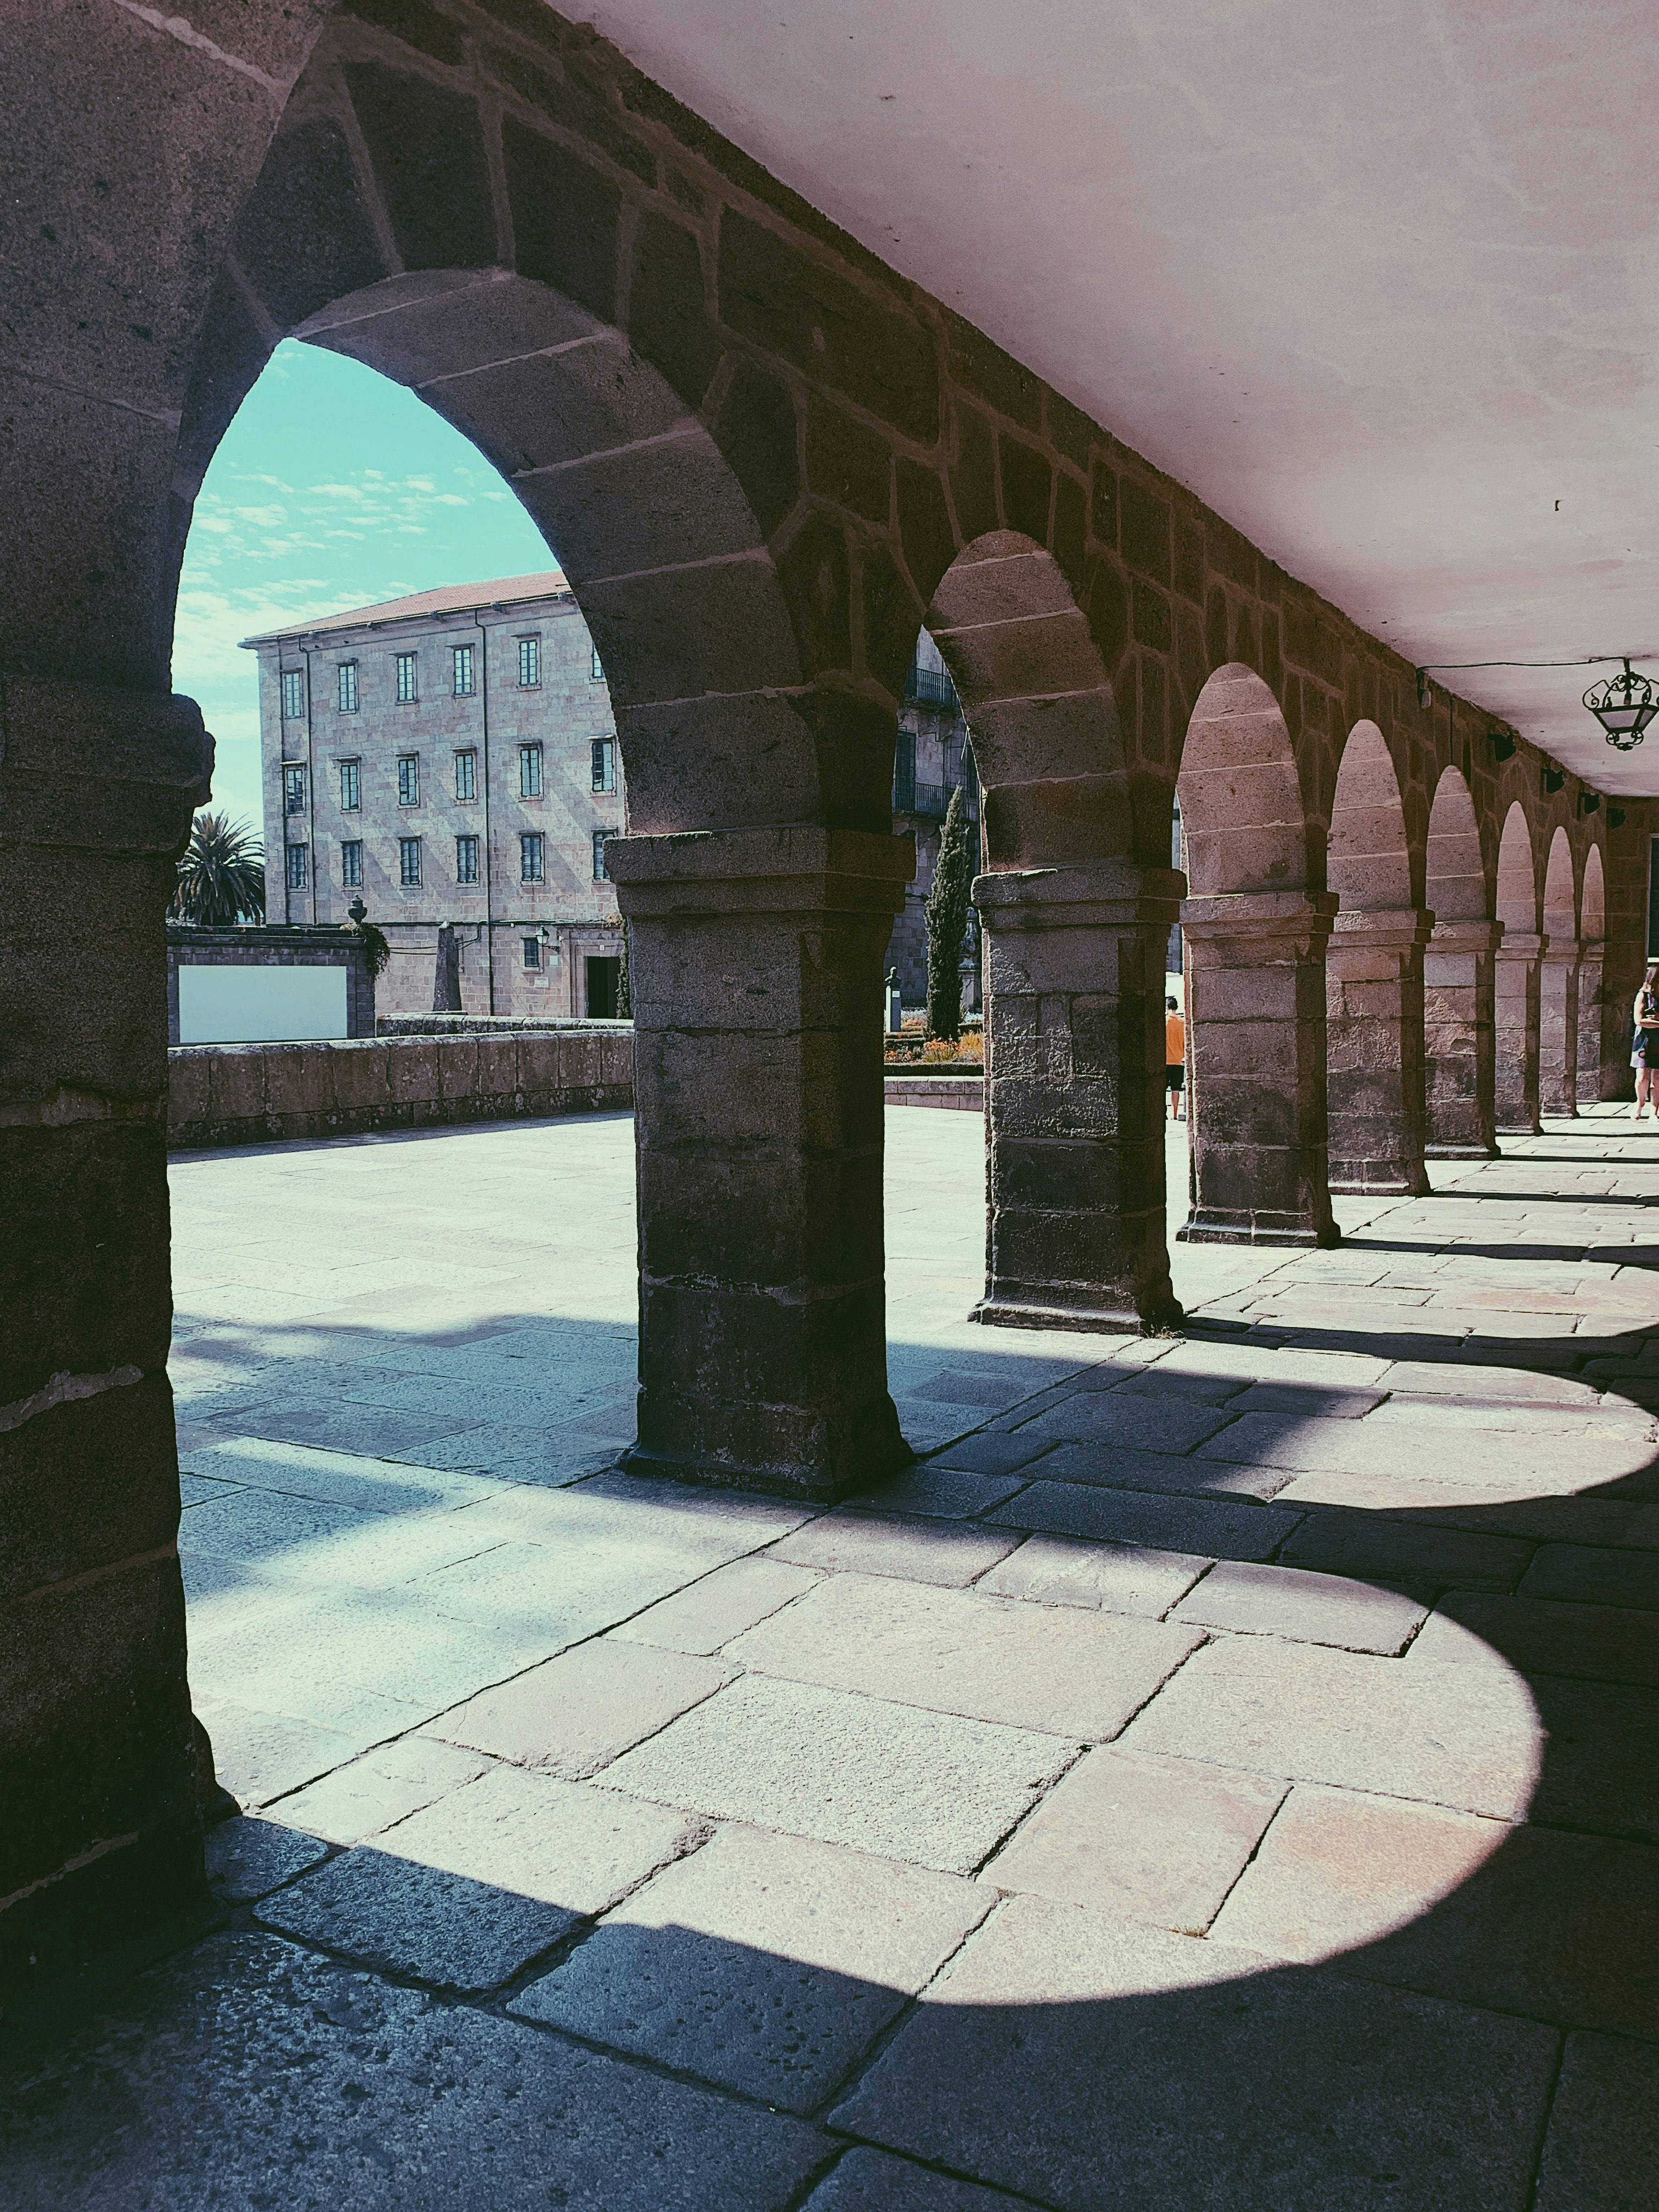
450, 757
933, 756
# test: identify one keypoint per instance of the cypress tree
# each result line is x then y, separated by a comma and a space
946, 915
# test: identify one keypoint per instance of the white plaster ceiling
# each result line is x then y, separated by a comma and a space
1380, 282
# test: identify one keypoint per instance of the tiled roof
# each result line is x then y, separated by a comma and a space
447, 599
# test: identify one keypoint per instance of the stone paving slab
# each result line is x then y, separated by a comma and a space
1304, 1606
259, 1756
247, 1858
368, 1486
764, 1964
850, 1542
467, 1892
1463, 1736
1137, 1424
384, 1785
874, 2181
722, 1605
1064, 1671
1542, 1636
1398, 1551
1114, 1578
1526, 1920
574, 1714
1187, 1524
1161, 1839
988, 1454
1602, 2150
322, 1543
1592, 1575
1113, 1467
937, 1492
248, 2073
930, 1787
1056, 2058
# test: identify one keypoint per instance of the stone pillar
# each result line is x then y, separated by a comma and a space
1075, 1099
1459, 987
1590, 1012
1255, 1019
756, 970
1516, 1031
1375, 1081
1558, 1026
98, 1818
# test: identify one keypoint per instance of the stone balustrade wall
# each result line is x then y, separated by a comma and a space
262, 1093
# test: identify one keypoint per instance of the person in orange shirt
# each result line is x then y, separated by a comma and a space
1175, 1053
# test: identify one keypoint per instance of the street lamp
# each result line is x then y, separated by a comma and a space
1624, 706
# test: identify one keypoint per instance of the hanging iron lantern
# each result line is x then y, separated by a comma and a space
1624, 706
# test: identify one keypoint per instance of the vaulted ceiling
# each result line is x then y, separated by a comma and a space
1380, 284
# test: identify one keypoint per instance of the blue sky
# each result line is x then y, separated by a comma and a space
332, 488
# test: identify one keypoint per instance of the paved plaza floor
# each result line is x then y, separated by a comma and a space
1222, 1775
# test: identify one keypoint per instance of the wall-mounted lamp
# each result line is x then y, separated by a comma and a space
1616, 817
1425, 689
1624, 706
1553, 779
1589, 802
1503, 743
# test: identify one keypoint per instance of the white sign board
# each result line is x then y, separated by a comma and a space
245, 1004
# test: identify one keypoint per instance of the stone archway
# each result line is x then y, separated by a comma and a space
1598, 1025
1256, 932
1519, 953
1374, 980
1076, 928
1458, 981
1558, 984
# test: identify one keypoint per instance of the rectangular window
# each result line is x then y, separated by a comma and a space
466, 860
294, 791
409, 689
351, 786
409, 861
348, 673
599, 836
466, 776
596, 676
532, 952
530, 771
530, 858
904, 774
529, 663
409, 778
296, 867
465, 686
293, 693
604, 764
351, 865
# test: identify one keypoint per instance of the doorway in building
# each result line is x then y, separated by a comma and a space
604, 987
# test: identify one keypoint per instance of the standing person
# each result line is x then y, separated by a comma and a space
1175, 1054
1645, 1053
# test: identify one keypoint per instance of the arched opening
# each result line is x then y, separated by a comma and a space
1075, 929
1458, 981
1374, 980
1254, 936
1601, 1031
1558, 985
1516, 992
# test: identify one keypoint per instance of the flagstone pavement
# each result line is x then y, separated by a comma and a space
1223, 1773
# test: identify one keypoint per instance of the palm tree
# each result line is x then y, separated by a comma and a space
222, 878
